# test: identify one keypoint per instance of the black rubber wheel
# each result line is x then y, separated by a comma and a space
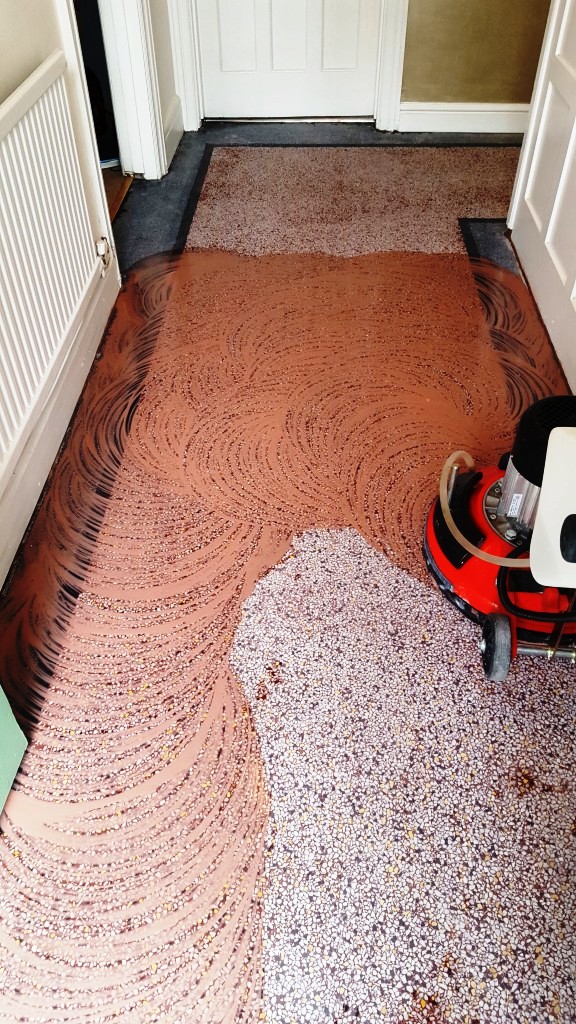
496, 647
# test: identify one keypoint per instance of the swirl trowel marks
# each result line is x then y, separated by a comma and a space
512, 320
237, 401
330, 390
421, 854
131, 849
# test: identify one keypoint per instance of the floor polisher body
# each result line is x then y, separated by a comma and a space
501, 542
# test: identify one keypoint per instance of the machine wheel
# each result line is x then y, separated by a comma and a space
496, 647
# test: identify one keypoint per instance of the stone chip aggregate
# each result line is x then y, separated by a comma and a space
422, 844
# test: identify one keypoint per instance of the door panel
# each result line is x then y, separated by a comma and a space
341, 29
549, 156
289, 44
567, 41
561, 238
236, 31
543, 211
288, 58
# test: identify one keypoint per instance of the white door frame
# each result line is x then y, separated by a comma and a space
393, 22
82, 112
131, 61
186, 53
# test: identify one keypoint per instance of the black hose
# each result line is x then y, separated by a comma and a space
558, 618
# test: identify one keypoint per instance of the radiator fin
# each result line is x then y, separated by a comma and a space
48, 261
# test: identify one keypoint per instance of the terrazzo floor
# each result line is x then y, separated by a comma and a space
182, 821
349, 201
420, 853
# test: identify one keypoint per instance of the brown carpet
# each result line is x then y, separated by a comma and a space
349, 201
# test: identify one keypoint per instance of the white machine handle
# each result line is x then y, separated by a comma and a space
552, 557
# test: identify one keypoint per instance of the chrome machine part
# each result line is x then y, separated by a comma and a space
525, 471
518, 502
544, 651
503, 525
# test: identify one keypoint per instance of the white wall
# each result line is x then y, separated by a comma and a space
29, 32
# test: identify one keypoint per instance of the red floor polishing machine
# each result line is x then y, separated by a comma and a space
501, 542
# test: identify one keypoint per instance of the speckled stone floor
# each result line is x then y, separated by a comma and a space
421, 853
239, 402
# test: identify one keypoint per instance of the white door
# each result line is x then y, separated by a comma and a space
138, 49
543, 211
289, 58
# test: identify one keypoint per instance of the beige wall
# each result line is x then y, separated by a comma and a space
473, 51
29, 33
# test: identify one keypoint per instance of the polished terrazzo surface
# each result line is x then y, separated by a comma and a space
239, 401
421, 852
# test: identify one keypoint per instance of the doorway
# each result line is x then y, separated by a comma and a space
289, 58
275, 59
116, 183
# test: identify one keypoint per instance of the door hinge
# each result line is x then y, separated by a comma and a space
104, 251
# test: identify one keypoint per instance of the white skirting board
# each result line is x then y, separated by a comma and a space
22, 491
463, 117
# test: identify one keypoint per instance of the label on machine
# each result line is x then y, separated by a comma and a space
515, 505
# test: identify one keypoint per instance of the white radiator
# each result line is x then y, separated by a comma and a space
48, 261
